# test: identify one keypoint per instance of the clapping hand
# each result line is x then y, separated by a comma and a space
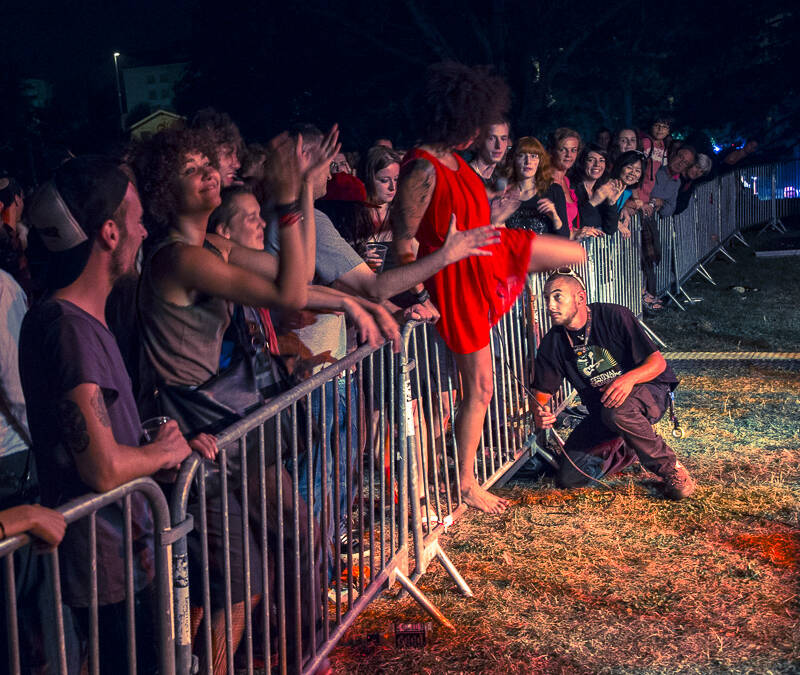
282, 168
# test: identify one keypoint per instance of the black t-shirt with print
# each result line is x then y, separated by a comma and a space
616, 345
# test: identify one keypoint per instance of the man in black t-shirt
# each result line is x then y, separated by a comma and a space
622, 379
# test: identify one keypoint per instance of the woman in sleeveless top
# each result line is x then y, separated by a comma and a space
189, 280
438, 189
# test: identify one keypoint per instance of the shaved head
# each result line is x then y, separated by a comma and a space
565, 300
564, 282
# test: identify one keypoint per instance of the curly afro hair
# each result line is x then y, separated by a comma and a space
222, 128
156, 162
456, 101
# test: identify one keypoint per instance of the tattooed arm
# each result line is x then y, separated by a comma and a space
414, 192
102, 463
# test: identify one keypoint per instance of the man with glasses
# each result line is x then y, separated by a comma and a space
622, 379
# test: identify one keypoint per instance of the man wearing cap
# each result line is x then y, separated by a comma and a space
622, 379
83, 419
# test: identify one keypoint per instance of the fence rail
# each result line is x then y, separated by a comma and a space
318, 500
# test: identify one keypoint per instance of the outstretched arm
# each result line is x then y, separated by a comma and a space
549, 252
459, 244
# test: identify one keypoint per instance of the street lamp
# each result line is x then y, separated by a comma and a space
119, 92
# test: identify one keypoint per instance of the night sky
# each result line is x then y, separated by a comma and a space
728, 71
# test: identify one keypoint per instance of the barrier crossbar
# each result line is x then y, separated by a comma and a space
58, 634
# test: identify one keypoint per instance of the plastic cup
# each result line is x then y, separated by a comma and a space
375, 253
150, 428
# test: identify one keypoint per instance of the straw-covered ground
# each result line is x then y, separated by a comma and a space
575, 582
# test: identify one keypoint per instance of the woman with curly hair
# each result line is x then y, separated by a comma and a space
542, 208
188, 282
438, 192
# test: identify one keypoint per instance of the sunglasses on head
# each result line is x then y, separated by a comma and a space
566, 272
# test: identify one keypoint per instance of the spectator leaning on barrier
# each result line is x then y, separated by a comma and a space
690, 178
622, 379
597, 195
83, 419
662, 201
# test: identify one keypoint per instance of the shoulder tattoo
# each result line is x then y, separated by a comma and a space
413, 196
99, 407
74, 433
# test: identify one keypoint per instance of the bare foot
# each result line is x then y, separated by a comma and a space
478, 498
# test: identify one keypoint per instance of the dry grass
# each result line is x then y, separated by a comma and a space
569, 582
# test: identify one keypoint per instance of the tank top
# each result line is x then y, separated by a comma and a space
182, 343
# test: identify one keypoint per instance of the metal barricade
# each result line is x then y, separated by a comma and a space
87, 508
787, 184
707, 202
301, 521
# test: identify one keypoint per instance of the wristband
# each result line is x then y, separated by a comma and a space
285, 209
423, 296
407, 258
289, 219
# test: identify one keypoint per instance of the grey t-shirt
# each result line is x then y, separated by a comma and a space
61, 347
666, 187
322, 339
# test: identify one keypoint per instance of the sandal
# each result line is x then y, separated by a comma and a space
653, 305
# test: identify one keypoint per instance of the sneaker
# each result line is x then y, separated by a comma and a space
677, 483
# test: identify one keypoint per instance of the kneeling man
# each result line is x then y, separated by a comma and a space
622, 379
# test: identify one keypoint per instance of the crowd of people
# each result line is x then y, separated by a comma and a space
195, 276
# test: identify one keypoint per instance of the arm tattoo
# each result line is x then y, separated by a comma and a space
413, 197
100, 409
74, 434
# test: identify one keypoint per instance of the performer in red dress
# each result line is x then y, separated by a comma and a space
436, 186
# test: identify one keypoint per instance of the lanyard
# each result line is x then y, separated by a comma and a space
587, 329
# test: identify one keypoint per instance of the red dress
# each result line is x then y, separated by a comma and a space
474, 293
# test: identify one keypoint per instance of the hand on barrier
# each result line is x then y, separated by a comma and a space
45, 524
388, 326
588, 232
543, 418
173, 446
462, 244
424, 311
205, 445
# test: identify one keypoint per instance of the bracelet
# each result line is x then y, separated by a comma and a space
423, 296
407, 258
285, 209
2, 530
289, 219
